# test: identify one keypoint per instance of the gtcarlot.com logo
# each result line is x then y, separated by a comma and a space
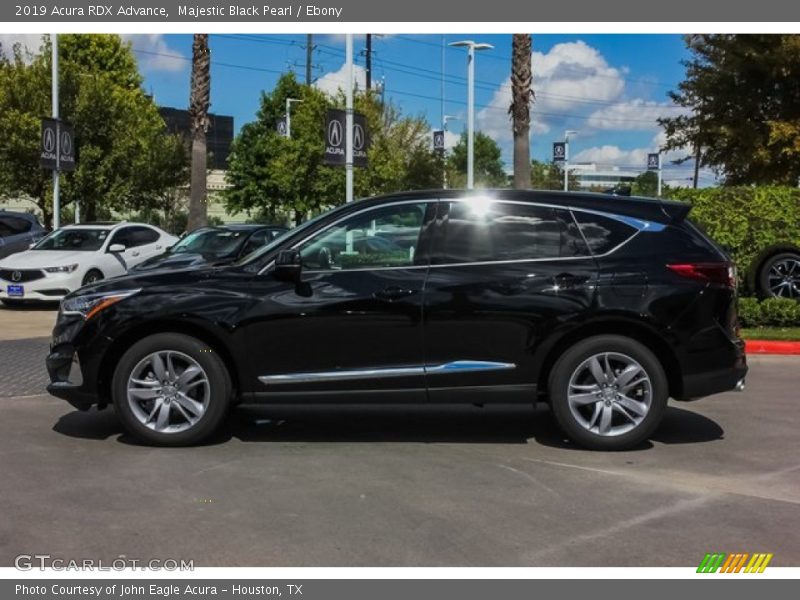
741, 562
29, 562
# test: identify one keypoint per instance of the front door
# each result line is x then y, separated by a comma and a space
354, 322
502, 275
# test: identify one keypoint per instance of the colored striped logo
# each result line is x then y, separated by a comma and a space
734, 563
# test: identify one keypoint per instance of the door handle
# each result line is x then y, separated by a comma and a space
393, 293
134, 254
159, 247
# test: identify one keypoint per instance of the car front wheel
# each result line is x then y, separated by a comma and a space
171, 389
608, 392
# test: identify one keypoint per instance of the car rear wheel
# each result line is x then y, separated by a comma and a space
171, 389
780, 276
92, 276
608, 392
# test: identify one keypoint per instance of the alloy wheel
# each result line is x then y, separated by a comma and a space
609, 394
168, 391
784, 278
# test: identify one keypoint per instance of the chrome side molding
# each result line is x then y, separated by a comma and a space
457, 366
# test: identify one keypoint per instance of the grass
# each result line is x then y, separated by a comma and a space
771, 333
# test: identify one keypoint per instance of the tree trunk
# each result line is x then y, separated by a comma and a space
520, 109
199, 100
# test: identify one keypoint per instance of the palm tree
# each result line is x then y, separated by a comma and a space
198, 112
521, 97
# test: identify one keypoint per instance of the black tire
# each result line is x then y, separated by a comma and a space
219, 389
573, 358
92, 276
764, 287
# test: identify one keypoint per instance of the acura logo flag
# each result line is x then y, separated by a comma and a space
336, 139
559, 151
57, 150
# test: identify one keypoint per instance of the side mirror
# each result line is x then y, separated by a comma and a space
116, 248
288, 265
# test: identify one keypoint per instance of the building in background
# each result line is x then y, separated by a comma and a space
220, 133
594, 177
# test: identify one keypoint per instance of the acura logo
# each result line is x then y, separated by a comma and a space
358, 137
66, 143
49, 140
16, 276
335, 133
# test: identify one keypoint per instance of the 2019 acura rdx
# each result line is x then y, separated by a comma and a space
602, 306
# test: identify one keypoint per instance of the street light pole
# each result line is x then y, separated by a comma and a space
471, 48
56, 191
349, 121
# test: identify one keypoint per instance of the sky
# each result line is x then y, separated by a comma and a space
609, 88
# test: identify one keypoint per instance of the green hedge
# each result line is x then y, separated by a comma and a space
772, 312
745, 220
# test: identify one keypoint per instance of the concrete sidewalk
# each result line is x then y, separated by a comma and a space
27, 322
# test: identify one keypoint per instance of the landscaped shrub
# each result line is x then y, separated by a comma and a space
772, 312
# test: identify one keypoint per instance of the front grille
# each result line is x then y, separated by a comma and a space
21, 275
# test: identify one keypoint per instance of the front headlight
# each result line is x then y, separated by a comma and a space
89, 305
62, 269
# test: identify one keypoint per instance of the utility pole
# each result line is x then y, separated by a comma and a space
309, 56
349, 121
369, 62
289, 102
696, 164
56, 191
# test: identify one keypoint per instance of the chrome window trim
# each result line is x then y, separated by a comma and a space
640, 225
456, 366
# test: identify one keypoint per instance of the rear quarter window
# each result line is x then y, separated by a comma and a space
603, 234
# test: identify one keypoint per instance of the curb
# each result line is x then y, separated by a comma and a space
771, 347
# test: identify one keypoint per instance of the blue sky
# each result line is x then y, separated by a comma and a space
610, 88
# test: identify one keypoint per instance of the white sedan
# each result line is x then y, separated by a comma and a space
76, 255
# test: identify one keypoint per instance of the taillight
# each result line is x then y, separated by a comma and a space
723, 273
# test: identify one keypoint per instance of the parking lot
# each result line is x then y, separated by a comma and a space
396, 486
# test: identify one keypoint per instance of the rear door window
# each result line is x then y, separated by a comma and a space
479, 231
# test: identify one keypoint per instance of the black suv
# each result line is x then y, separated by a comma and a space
602, 306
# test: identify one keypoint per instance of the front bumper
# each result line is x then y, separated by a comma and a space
50, 288
66, 377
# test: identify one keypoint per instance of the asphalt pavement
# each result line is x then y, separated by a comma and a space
400, 486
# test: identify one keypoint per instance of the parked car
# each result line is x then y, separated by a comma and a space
18, 231
77, 255
603, 307
213, 246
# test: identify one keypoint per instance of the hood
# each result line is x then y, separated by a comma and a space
179, 260
38, 259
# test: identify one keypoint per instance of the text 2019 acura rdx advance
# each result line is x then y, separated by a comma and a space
602, 306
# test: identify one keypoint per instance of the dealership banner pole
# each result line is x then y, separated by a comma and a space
56, 199
658, 192
349, 121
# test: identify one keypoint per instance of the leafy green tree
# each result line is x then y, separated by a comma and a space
274, 177
645, 184
489, 171
550, 176
744, 96
125, 158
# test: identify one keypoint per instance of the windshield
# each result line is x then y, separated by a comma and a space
74, 239
215, 242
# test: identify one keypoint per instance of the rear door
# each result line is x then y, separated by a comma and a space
503, 275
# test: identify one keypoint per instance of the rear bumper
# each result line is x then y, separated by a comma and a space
716, 381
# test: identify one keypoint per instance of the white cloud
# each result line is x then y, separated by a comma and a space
613, 155
333, 81
154, 54
633, 114
29, 41
564, 79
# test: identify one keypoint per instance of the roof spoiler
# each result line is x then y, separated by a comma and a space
676, 211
